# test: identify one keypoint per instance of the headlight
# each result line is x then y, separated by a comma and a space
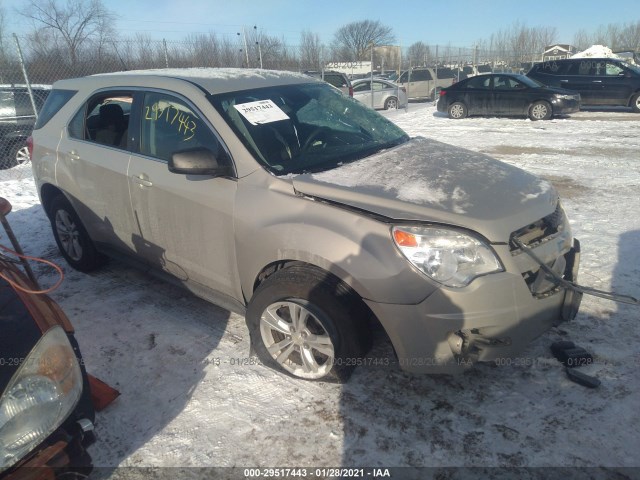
566, 97
447, 256
39, 397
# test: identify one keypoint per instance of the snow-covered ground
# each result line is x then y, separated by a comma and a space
190, 397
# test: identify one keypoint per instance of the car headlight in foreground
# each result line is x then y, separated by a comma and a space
39, 397
449, 257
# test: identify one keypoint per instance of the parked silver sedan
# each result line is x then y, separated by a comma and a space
386, 95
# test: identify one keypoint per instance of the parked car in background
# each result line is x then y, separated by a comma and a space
600, 81
16, 121
506, 94
337, 79
274, 195
46, 412
386, 95
425, 83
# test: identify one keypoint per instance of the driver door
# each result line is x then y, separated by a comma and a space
184, 223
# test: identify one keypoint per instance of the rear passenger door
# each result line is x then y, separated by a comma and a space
184, 223
93, 159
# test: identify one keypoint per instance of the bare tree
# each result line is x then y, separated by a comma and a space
354, 40
310, 50
419, 54
75, 21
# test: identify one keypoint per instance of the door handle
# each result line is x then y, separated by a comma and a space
564, 81
597, 81
73, 155
142, 180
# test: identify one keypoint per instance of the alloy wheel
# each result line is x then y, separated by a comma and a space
539, 111
22, 156
457, 111
69, 235
296, 339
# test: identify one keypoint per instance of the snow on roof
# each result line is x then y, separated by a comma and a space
217, 80
596, 51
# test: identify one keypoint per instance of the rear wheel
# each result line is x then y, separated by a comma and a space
72, 238
307, 323
540, 110
635, 103
391, 103
457, 110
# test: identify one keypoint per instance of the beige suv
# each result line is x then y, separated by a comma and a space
274, 195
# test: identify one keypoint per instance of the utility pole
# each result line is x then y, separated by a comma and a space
255, 28
246, 49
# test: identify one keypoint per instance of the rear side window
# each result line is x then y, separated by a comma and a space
56, 100
104, 119
421, 76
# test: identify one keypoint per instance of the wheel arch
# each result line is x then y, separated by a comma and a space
372, 321
47, 193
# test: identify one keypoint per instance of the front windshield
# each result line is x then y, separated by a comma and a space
306, 127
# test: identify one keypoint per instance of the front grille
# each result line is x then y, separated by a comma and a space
550, 239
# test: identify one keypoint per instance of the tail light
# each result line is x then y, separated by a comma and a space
443, 93
351, 91
30, 146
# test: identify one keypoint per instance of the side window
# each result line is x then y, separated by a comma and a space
362, 87
169, 126
103, 119
7, 107
380, 86
479, 82
55, 101
613, 69
23, 104
420, 76
404, 78
592, 67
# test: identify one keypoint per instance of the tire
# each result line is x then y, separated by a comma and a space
635, 103
540, 110
72, 238
331, 332
391, 103
457, 110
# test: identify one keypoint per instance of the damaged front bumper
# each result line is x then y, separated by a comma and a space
493, 318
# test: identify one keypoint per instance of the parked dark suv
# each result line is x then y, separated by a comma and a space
16, 122
600, 81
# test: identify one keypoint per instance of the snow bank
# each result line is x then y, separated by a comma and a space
596, 51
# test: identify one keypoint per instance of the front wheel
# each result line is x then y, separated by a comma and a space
72, 238
635, 103
391, 103
457, 110
307, 323
540, 111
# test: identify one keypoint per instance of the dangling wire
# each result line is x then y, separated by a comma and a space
35, 259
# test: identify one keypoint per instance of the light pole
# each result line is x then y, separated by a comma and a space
255, 28
246, 50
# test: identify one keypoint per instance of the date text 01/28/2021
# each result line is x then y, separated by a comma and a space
259, 473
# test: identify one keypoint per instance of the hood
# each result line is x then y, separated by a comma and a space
425, 180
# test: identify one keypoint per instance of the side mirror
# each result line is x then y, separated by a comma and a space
200, 161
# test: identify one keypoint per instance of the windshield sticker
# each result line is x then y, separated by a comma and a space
262, 111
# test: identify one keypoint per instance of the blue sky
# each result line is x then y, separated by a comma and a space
459, 23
